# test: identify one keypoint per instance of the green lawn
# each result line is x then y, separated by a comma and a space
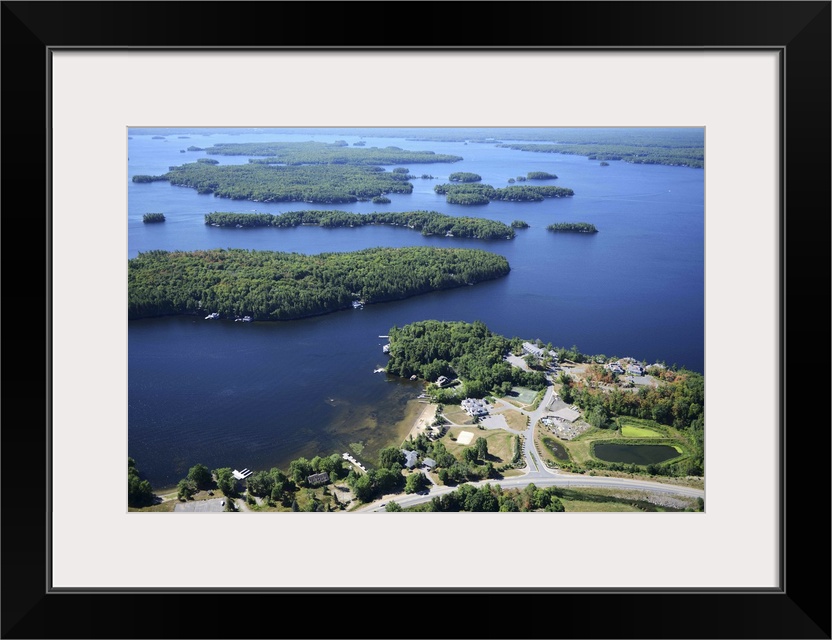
630, 431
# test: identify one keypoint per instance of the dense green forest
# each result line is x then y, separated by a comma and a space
297, 153
269, 285
573, 227
264, 183
472, 193
470, 352
464, 176
673, 156
493, 498
153, 217
540, 175
428, 222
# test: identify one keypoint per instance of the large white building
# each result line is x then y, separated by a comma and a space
474, 407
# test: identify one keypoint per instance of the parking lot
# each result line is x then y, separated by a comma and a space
201, 506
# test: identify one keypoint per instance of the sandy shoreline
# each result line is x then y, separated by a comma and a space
425, 419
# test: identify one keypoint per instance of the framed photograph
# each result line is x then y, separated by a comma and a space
95, 90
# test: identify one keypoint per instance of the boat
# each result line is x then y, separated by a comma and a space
381, 370
386, 348
357, 304
212, 316
243, 319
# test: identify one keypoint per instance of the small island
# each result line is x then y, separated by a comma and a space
208, 161
573, 227
473, 193
271, 285
153, 217
604, 163
464, 176
540, 175
428, 222
520, 224
381, 200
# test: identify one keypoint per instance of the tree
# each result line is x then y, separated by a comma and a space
139, 492
200, 476
415, 482
185, 489
226, 482
393, 506
299, 470
482, 448
389, 456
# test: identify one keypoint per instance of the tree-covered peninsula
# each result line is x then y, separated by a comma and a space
297, 153
673, 156
573, 227
270, 285
264, 183
428, 222
473, 193
468, 351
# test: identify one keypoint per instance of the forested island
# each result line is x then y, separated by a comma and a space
673, 156
270, 285
540, 175
264, 183
473, 193
297, 153
153, 217
428, 222
573, 227
464, 176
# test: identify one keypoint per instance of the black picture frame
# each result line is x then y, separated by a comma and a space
799, 31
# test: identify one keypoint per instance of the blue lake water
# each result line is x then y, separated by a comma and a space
259, 395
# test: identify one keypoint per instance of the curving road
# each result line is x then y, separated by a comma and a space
538, 473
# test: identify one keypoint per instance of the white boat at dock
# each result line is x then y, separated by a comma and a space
212, 316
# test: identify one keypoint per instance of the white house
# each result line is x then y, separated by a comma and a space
474, 407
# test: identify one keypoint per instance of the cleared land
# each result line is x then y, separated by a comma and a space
500, 446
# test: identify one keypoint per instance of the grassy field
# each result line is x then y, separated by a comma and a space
588, 506
163, 507
639, 428
629, 431
514, 419
457, 415
500, 449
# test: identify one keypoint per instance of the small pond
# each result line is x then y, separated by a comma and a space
634, 453
556, 449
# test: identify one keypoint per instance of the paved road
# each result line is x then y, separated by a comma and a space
550, 479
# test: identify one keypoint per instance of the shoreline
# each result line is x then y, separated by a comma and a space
423, 420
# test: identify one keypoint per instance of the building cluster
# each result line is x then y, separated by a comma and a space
626, 365
411, 460
475, 407
538, 352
